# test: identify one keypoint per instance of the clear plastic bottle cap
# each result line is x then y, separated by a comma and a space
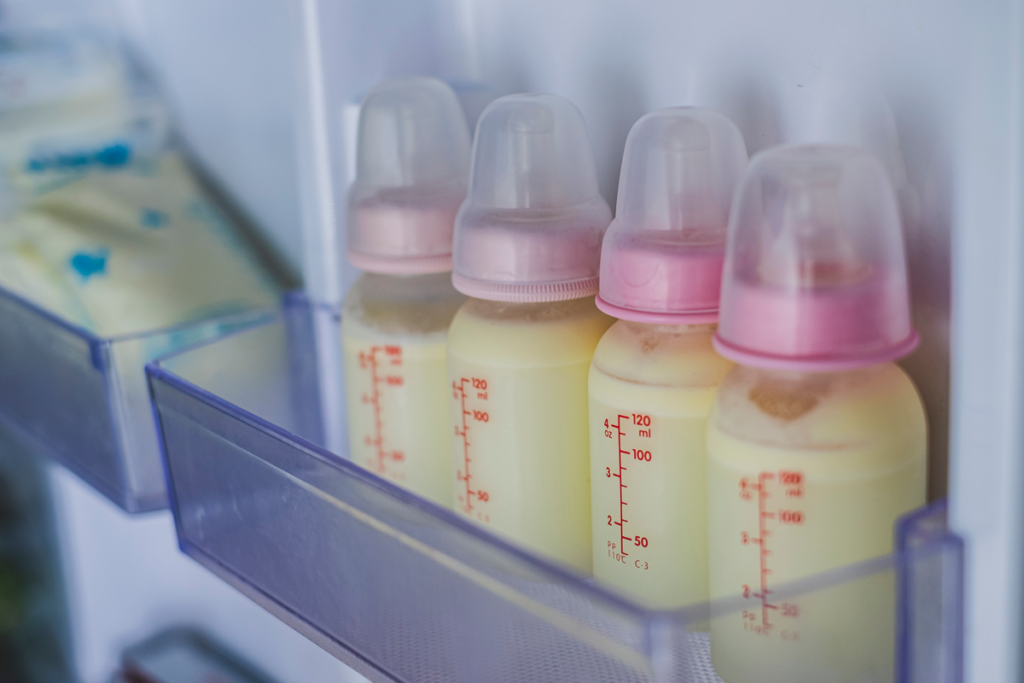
531, 226
815, 272
412, 163
663, 254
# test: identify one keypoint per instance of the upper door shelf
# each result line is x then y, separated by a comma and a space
82, 398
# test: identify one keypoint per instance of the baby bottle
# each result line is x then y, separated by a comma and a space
816, 441
411, 167
527, 245
655, 373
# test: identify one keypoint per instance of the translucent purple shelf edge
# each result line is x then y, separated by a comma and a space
403, 590
82, 399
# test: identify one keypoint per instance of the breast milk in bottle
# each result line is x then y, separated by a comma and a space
816, 442
411, 170
655, 373
527, 245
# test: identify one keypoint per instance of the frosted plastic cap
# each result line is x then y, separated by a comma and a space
662, 256
412, 161
531, 226
815, 273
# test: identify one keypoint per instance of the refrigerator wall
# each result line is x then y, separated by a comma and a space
125, 580
229, 70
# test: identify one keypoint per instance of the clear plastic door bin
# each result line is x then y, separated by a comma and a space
403, 590
82, 399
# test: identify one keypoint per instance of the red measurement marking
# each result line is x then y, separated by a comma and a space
621, 523
763, 533
642, 424
372, 362
791, 487
467, 415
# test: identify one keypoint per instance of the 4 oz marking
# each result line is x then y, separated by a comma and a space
619, 550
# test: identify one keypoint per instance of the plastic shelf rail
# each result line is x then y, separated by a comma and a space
404, 590
82, 399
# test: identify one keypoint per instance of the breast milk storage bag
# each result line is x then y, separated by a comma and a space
102, 222
527, 245
412, 163
816, 442
655, 373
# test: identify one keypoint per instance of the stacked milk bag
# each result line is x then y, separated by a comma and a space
101, 221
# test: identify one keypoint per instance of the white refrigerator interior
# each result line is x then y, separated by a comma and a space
126, 580
264, 91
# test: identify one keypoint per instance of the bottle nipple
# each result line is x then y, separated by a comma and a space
690, 197
812, 250
531, 132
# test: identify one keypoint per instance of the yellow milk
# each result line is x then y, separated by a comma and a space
518, 391
132, 250
394, 333
651, 388
809, 472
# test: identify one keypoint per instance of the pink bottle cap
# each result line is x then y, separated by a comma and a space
663, 254
412, 162
531, 226
815, 272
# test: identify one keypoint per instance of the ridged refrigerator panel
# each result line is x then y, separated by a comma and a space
986, 473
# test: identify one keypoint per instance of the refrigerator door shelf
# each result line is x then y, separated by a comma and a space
82, 399
404, 590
